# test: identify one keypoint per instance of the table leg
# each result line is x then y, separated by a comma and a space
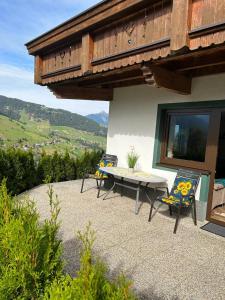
154, 195
137, 198
99, 187
121, 191
110, 190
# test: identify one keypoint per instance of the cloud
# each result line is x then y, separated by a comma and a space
9, 71
21, 21
18, 83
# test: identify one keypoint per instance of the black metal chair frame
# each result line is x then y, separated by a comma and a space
107, 157
187, 174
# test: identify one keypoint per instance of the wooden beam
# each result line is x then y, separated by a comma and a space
127, 83
115, 80
208, 70
161, 77
87, 53
75, 92
180, 24
38, 65
212, 57
206, 60
201, 66
148, 75
207, 29
112, 78
106, 74
172, 81
175, 62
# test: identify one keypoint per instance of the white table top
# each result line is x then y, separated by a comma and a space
136, 175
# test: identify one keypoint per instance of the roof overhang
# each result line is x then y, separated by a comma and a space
118, 43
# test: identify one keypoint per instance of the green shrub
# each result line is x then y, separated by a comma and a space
70, 168
25, 171
91, 282
57, 167
29, 251
30, 258
19, 167
87, 162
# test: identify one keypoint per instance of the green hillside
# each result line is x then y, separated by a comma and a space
39, 135
13, 108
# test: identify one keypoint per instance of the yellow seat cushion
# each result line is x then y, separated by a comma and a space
171, 200
100, 174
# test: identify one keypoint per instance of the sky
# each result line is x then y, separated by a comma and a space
20, 22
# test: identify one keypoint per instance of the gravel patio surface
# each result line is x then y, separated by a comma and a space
188, 265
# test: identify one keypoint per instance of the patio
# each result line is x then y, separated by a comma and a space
188, 265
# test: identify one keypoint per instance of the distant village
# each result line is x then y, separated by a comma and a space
27, 147
24, 144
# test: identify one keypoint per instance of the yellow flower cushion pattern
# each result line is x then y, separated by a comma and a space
183, 190
101, 174
171, 200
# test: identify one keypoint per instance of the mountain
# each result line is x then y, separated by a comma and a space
101, 118
13, 108
39, 135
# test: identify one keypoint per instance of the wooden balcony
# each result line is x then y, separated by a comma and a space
126, 42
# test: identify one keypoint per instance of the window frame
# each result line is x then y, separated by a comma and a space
175, 162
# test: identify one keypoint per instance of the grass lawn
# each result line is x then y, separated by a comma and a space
28, 131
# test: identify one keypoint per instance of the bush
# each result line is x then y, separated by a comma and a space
29, 251
19, 167
30, 258
91, 282
57, 167
87, 162
24, 171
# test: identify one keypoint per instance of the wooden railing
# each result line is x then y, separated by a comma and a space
207, 23
152, 32
62, 64
133, 39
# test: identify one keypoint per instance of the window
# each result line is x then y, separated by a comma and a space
186, 138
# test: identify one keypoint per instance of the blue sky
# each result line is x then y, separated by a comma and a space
20, 22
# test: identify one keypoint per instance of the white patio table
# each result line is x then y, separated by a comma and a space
142, 179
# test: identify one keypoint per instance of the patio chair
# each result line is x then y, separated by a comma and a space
107, 160
182, 194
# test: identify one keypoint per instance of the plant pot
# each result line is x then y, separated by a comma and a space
131, 170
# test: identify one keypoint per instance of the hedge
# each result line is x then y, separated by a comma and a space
24, 170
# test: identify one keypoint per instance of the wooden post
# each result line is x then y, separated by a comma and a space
87, 53
38, 69
180, 24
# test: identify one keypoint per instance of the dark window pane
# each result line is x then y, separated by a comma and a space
188, 137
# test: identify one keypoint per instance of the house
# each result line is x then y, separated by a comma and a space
161, 64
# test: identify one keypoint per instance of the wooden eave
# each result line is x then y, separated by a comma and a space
120, 43
178, 68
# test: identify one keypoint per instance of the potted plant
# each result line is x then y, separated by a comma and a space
132, 158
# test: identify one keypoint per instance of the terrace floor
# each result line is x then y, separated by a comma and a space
188, 265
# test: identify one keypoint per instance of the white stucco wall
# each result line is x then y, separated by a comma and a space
133, 113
